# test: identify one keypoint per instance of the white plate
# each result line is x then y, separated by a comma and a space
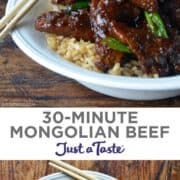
34, 45
60, 176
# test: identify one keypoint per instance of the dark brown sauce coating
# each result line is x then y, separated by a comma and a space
102, 13
64, 2
171, 10
123, 20
149, 5
75, 25
151, 51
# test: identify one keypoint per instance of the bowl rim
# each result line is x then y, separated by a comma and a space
73, 71
98, 174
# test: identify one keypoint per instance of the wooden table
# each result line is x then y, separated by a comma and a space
24, 83
123, 170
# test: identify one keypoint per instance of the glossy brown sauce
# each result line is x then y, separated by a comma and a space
125, 21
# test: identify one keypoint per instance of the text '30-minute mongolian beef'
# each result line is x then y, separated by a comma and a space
146, 32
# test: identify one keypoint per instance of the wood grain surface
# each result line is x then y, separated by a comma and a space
122, 170
24, 83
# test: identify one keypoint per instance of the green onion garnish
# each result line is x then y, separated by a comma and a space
156, 24
116, 45
80, 5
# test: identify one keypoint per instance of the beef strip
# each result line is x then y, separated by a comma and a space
171, 10
76, 24
108, 57
149, 5
102, 12
175, 56
151, 51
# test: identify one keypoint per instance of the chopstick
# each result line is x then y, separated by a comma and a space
13, 17
71, 170
65, 171
12, 13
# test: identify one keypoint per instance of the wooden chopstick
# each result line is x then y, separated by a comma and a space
12, 13
12, 18
73, 170
66, 171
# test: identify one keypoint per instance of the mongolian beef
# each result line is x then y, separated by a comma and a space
142, 34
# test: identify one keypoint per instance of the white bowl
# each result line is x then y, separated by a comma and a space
60, 176
34, 45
